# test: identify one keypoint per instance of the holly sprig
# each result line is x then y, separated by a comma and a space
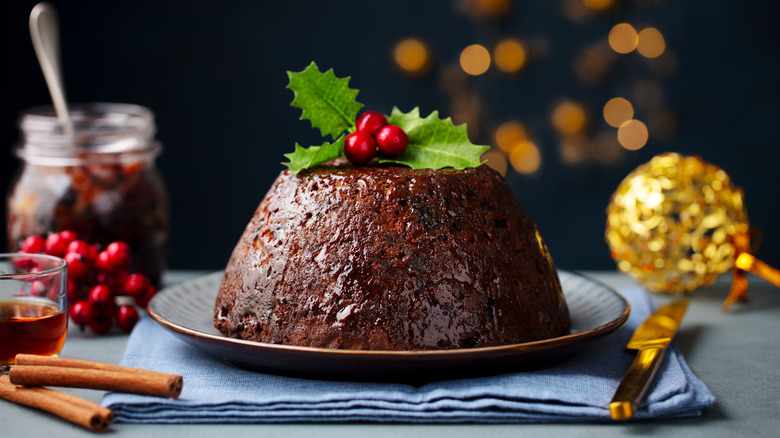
330, 105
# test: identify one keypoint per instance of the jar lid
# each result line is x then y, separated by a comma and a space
101, 132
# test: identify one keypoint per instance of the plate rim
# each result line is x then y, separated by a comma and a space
534, 346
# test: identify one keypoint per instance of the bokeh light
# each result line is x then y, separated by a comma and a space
632, 135
650, 43
486, 8
574, 149
623, 38
412, 56
597, 5
569, 118
593, 63
525, 157
618, 110
509, 134
510, 55
606, 149
475, 59
496, 160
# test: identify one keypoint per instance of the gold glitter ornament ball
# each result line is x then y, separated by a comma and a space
671, 221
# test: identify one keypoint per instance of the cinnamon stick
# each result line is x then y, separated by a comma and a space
70, 407
135, 382
36, 359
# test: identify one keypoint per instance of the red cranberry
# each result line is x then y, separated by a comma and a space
74, 291
392, 140
103, 262
57, 243
33, 244
360, 148
83, 248
144, 299
119, 254
82, 312
136, 285
126, 317
114, 279
100, 326
370, 122
78, 265
101, 295
38, 288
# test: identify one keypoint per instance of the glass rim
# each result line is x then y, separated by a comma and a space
60, 265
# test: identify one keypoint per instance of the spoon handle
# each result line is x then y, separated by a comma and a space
44, 30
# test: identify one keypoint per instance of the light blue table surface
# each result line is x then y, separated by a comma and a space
736, 354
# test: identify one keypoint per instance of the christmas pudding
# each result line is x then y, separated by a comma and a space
392, 237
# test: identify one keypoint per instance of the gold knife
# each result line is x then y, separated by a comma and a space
651, 339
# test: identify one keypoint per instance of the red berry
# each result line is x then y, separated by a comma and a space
82, 312
144, 299
360, 148
78, 265
119, 254
83, 248
370, 122
392, 140
136, 285
101, 295
57, 243
73, 290
33, 244
126, 317
100, 326
103, 262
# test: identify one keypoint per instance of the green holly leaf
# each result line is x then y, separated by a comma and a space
304, 158
327, 101
434, 143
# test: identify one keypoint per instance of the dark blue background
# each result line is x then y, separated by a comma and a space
214, 73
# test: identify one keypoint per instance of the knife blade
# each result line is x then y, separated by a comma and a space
651, 339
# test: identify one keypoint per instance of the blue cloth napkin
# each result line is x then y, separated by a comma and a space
575, 389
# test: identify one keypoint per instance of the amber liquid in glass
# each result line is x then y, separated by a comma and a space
30, 326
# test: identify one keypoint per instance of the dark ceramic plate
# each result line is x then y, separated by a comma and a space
187, 310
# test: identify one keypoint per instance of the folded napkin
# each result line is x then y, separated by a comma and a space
575, 389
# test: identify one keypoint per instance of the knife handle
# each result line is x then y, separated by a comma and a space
633, 387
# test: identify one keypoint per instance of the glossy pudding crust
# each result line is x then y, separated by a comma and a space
390, 258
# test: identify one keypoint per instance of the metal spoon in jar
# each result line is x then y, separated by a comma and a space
44, 30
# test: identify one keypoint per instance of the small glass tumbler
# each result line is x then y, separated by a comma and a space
33, 305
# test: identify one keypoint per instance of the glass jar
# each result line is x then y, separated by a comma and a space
98, 179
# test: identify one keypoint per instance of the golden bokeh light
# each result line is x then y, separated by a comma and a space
569, 118
623, 38
486, 8
606, 149
650, 43
575, 10
475, 59
632, 135
495, 160
525, 157
510, 55
617, 111
509, 134
574, 149
412, 56
593, 63
597, 5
